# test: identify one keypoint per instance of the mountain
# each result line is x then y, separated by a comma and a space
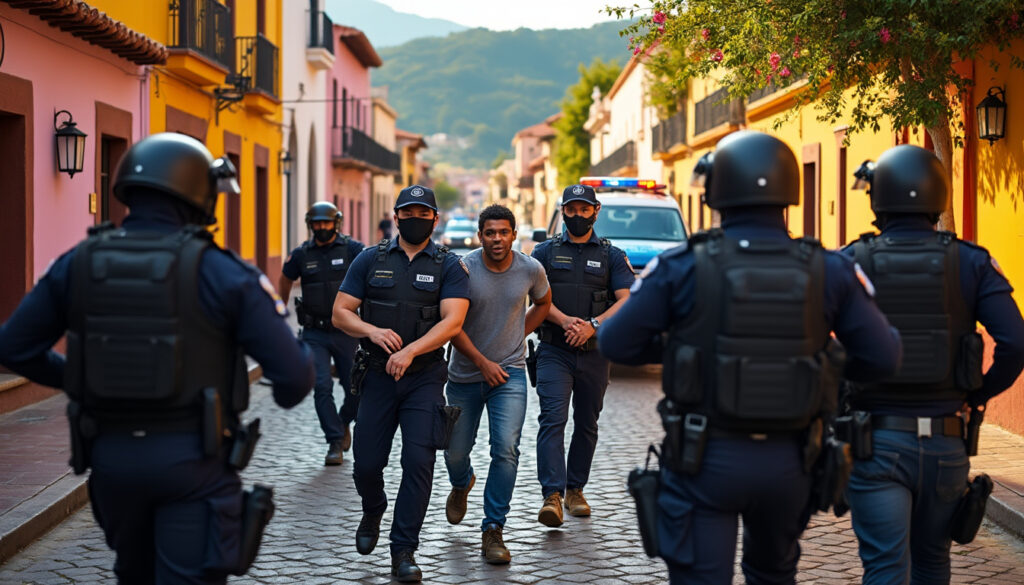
384, 26
485, 85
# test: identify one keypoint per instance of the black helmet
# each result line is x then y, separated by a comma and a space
179, 166
909, 179
323, 211
750, 168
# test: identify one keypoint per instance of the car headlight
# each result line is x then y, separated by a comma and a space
468, 242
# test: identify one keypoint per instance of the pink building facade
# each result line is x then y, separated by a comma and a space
45, 70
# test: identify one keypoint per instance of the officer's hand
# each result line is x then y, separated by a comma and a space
570, 323
398, 363
580, 333
494, 374
387, 339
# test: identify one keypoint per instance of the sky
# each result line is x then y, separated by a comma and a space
536, 14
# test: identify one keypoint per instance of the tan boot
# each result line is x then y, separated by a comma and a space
551, 512
455, 508
576, 503
493, 548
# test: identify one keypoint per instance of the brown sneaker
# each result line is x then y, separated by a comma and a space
551, 511
493, 549
455, 509
576, 503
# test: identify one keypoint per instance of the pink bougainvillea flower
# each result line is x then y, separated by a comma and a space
784, 72
796, 53
773, 60
661, 30
884, 35
1014, 21
659, 17
705, 34
637, 50
796, 40
717, 55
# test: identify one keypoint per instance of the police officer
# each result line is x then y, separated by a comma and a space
934, 288
158, 319
412, 297
590, 280
320, 264
746, 370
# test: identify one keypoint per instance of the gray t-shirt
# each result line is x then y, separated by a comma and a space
496, 319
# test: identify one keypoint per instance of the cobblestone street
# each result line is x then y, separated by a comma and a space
310, 539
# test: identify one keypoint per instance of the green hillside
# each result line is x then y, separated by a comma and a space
485, 85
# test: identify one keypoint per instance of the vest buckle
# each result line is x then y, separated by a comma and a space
924, 426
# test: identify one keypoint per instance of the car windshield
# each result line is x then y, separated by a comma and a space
638, 222
460, 225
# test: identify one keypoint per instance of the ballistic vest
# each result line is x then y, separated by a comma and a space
402, 296
580, 277
751, 353
140, 349
917, 284
323, 270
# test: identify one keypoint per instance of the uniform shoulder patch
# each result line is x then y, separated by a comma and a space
268, 288
996, 266
463, 265
865, 282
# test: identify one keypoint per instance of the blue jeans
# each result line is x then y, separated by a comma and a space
325, 347
563, 376
506, 413
902, 501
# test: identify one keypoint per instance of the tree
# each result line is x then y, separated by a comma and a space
899, 56
447, 195
501, 157
572, 143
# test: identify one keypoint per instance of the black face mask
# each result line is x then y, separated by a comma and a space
323, 236
415, 229
579, 225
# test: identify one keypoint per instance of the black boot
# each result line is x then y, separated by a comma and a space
367, 533
333, 456
403, 567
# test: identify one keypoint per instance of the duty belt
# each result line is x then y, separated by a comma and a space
377, 360
553, 335
317, 322
923, 426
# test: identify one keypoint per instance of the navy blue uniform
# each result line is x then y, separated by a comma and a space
327, 345
158, 500
410, 403
579, 377
762, 480
903, 498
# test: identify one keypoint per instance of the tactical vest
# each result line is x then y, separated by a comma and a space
323, 271
140, 350
917, 284
751, 354
580, 277
402, 296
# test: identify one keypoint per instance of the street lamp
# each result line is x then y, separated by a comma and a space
286, 162
70, 145
992, 115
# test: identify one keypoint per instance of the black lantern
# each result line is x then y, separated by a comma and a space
992, 115
70, 145
286, 162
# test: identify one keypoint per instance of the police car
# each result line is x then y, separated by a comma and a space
638, 216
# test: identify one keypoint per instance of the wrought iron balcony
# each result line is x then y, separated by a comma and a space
711, 111
321, 29
257, 60
203, 26
352, 147
623, 158
669, 132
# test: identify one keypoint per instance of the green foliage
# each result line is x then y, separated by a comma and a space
486, 85
447, 196
571, 155
502, 156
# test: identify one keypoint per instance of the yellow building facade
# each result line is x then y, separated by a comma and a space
221, 85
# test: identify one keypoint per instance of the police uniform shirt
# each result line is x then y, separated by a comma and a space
235, 297
454, 276
292, 268
620, 272
986, 291
664, 295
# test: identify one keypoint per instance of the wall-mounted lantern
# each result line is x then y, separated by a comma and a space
286, 162
992, 115
70, 145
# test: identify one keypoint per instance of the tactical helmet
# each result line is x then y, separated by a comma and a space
750, 168
179, 166
323, 211
909, 179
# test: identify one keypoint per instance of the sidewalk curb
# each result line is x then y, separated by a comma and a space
1005, 509
33, 518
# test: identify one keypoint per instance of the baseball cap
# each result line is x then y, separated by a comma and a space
416, 195
579, 193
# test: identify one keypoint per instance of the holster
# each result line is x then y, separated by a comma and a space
972, 430
814, 436
80, 424
244, 444
971, 511
855, 429
360, 365
257, 510
449, 416
830, 477
531, 362
643, 484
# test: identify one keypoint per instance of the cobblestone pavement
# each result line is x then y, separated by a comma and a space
310, 540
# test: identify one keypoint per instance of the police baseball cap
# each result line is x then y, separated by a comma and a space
416, 195
580, 193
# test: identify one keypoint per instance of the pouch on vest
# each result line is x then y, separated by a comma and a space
969, 360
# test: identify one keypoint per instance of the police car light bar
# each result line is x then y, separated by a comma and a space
621, 182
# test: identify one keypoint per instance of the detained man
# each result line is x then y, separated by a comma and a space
488, 369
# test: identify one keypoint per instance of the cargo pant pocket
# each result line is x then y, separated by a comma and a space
951, 478
224, 530
675, 538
